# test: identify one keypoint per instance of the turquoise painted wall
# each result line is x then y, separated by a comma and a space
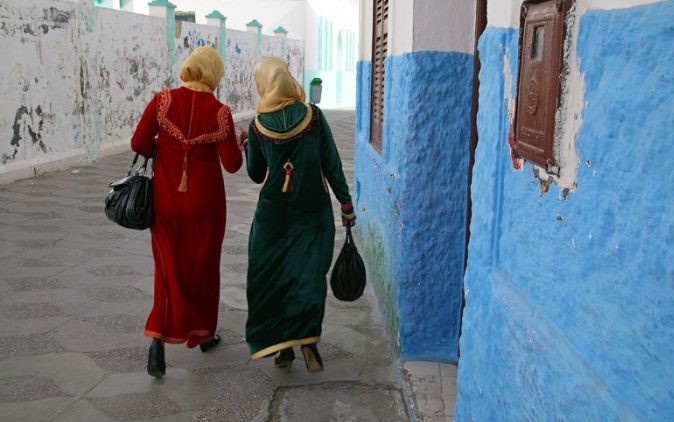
333, 81
115, 4
570, 306
411, 197
335, 65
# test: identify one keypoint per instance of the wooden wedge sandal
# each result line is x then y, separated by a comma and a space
312, 358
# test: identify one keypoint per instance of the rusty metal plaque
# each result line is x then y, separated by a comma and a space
542, 33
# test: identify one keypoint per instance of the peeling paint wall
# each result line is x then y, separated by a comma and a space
242, 55
39, 113
272, 47
189, 36
76, 78
295, 58
569, 310
127, 73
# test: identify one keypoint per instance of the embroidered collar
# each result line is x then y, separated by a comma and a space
305, 126
165, 123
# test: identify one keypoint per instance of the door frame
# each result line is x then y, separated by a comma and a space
480, 26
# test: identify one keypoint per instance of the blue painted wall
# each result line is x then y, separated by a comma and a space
574, 319
411, 197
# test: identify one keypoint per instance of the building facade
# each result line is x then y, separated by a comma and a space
332, 49
329, 30
569, 277
412, 138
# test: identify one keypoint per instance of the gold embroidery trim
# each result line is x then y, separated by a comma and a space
165, 99
292, 132
177, 340
280, 346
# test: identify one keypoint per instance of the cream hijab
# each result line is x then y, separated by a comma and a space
202, 70
276, 86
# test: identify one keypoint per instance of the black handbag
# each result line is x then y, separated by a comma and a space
348, 275
130, 202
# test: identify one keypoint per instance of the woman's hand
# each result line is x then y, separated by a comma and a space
243, 140
348, 216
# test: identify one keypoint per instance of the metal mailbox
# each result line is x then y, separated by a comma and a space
541, 46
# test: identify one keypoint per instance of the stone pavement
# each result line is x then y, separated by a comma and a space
75, 291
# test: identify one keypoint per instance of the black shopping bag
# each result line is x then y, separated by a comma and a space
348, 275
130, 202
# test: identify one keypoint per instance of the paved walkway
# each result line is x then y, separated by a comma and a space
75, 291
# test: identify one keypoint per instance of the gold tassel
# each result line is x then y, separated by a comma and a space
288, 167
183, 180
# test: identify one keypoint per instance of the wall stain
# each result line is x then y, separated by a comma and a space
194, 39
24, 122
27, 29
57, 16
104, 74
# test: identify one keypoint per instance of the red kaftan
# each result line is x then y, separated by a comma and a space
195, 134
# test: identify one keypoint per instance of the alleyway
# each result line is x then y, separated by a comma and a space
75, 291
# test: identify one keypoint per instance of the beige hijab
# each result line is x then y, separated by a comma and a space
276, 86
202, 70
278, 89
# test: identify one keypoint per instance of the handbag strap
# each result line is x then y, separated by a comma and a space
133, 163
349, 236
152, 155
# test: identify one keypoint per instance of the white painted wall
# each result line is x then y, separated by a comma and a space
39, 114
311, 37
76, 78
444, 25
421, 25
344, 16
401, 27
130, 53
365, 33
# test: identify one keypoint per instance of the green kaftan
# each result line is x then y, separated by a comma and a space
292, 236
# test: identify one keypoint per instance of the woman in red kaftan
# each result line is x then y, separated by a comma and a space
192, 133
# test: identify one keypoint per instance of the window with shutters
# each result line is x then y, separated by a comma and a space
379, 51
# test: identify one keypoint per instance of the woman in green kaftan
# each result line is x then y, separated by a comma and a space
291, 151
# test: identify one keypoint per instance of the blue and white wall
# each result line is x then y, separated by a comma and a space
411, 196
570, 293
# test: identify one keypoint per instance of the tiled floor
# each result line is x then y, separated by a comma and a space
431, 387
75, 291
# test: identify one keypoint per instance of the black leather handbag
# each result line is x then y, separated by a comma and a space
130, 202
348, 275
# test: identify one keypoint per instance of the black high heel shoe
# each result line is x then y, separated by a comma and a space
312, 358
285, 358
156, 366
205, 347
